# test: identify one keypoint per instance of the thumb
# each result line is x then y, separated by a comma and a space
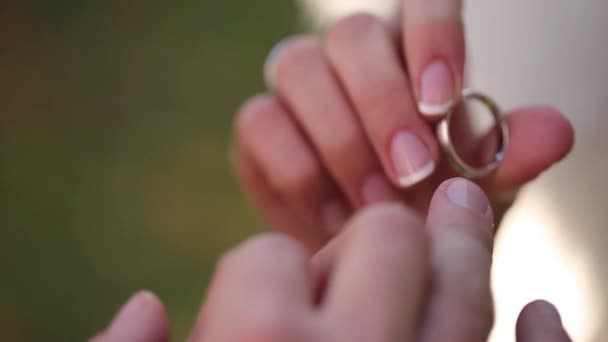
539, 138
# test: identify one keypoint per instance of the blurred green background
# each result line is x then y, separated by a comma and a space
115, 119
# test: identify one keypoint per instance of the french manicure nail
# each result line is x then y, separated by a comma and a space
376, 189
411, 159
464, 194
436, 89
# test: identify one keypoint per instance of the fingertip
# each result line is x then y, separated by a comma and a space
435, 49
554, 122
459, 208
249, 112
466, 195
269, 65
411, 157
540, 321
437, 90
142, 318
435, 111
542, 309
539, 138
254, 109
417, 176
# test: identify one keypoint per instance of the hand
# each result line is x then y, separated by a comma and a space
343, 129
387, 278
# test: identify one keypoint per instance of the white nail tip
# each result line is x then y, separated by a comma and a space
418, 176
435, 109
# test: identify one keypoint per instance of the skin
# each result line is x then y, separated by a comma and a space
317, 148
388, 276
315, 157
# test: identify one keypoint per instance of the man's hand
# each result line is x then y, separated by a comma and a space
388, 277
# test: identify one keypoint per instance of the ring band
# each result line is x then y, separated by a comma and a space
443, 134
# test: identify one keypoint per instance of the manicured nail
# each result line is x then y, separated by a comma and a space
411, 159
436, 89
377, 189
269, 64
334, 213
464, 194
130, 319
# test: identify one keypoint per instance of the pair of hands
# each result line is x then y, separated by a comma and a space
349, 126
388, 277
349, 123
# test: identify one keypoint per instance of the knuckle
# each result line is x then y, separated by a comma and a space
351, 29
382, 94
390, 222
295, 54
342, 142
261, 108
305, 175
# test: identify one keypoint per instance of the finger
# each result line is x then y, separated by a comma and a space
460, 220
274, 211
301, 76
141, 319
540, 322
267, 133
435, 52
264, 286
378, 284
366, 59
539, 138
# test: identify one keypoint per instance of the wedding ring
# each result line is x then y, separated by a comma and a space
445, 140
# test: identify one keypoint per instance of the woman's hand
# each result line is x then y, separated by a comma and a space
343, 127
388, 277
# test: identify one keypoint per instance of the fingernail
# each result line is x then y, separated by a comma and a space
334, 213
464, 194
377, 189
436, 89
411, 159
268, 64
130, 317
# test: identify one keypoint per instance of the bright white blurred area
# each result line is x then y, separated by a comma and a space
533, 262
533, 258
326, 11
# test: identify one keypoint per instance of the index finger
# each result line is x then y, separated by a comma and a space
435, 52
